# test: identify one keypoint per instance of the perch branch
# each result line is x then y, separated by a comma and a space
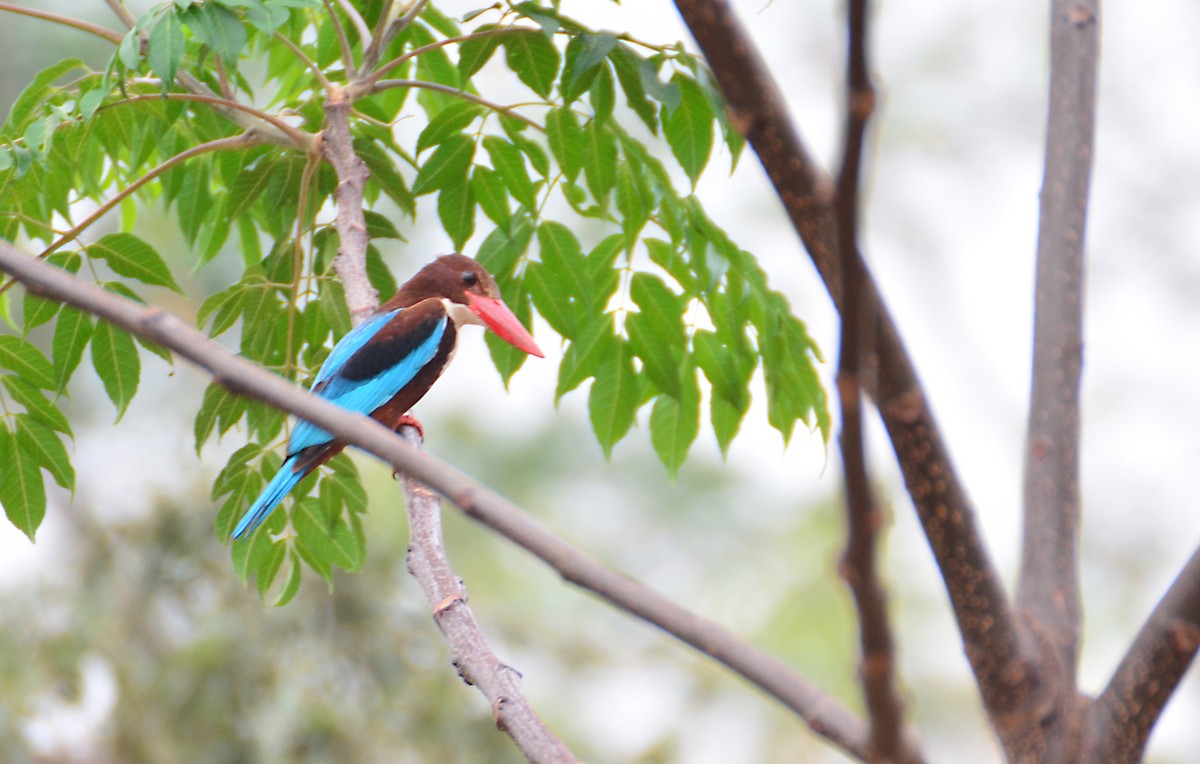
864, 519
822, 713
474, 659
998, 650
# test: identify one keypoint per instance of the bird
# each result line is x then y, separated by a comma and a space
389, 361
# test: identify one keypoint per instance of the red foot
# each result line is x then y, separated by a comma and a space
411, 422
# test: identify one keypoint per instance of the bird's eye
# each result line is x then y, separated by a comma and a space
469, 278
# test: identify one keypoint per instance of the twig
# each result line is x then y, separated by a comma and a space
118, 7
1121, 718
471, 655
1048, 583
999, 651
299, 139
351, 260
84, 26
821, 712
464, 95
242, 141
375, 47
304, 59
369, 81
864, 519
344, 41
360, 26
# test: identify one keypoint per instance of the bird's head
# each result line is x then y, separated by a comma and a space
471, 296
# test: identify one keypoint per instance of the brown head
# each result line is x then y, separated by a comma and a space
463, 283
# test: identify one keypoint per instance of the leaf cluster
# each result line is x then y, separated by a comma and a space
567, 197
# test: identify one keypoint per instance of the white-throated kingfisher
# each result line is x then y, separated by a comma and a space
388, 362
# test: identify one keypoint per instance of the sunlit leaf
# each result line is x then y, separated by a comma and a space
115, 358
26, 360
130, 256
447, 165
21, 490
44, 445
613, 401
533, 58
36, 403
675, 423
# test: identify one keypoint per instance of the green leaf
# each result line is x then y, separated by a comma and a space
37, 91
385, 175
659, 305
726, 421
586, 352
613, 401
456, 210
447, 165
548, 287
689, 127
38, 310
602, 95
27, 361
629, 67
509, 164
502, 250
246, 188
115, 358
475, 51
599, 160
219, 28
164, 48
72, 332
335, 544
566, 140
633, 201
585, 52
225, 307
533, 58
491, 194
36, 403
675, 423
291, 584
449, 121
21, 490
43, 443
726, 370
129, 256
380, 227
379, 274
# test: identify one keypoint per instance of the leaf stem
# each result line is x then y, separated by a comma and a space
83, 26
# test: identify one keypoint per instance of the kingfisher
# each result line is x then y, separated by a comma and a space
388, 362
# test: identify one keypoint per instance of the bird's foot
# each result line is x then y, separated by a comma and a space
412, 422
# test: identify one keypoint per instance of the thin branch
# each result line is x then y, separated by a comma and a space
1048, 583
375, 47
464, 95
84, 26
243, 141
343, 41
304, 59
1121, 718
360, 26
471, 654
299, 139
337, 147
368, 82
999, 651
864, 519
118, 7
399, 25
821, 712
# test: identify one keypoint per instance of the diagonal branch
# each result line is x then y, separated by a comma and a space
1121, 718
995, 646
821, 712
864, 519
476, 663
1048, 586
80, 24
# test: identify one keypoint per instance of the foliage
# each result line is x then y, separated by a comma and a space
659, 299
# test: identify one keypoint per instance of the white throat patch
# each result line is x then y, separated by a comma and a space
460, 314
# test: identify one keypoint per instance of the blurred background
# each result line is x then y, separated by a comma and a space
126, 636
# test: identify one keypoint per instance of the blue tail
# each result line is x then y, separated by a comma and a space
284, 481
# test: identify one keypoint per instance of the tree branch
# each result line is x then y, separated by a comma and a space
84, 26
474, 659
298, 138
350, 263
821, 712
1121, 718
343, 41
1048, 584
375, 47
243, 141
998, 650
464, 95
877, 666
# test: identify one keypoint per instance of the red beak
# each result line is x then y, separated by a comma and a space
500, 319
